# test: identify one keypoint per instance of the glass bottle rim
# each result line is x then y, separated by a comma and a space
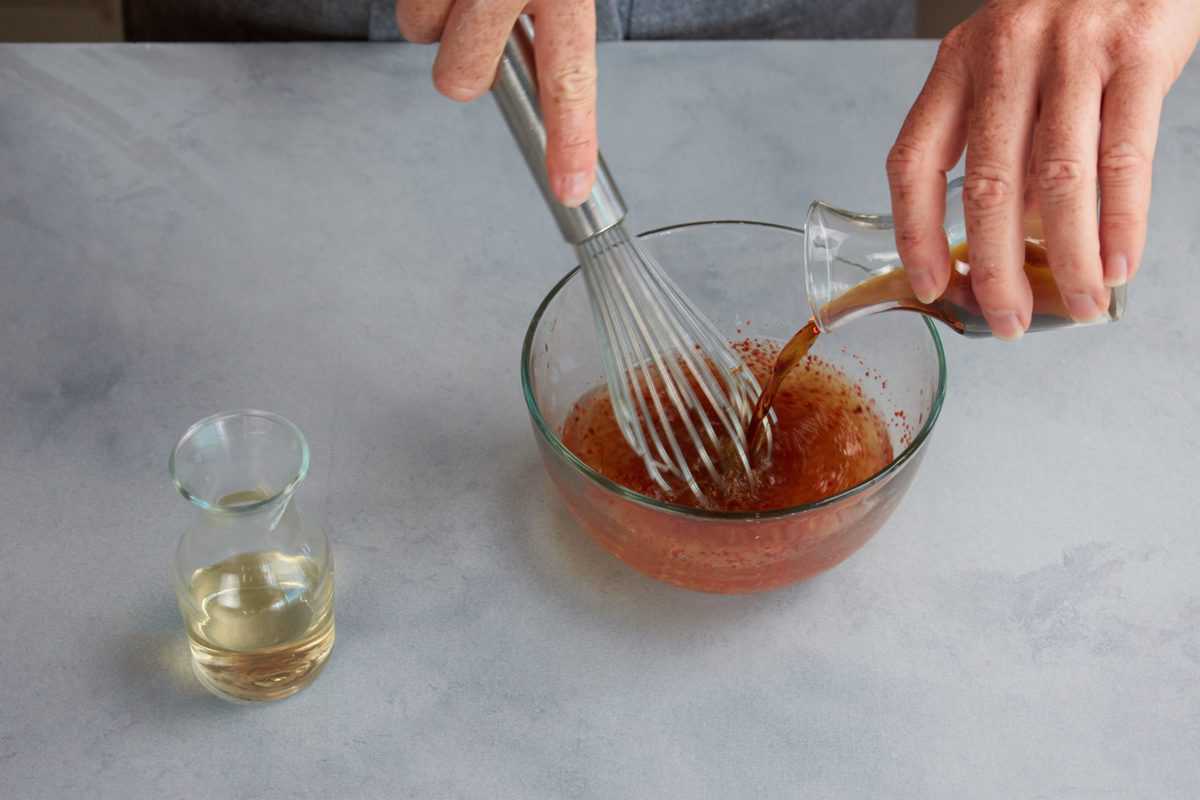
300, 473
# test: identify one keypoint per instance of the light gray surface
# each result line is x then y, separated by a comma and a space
311, 230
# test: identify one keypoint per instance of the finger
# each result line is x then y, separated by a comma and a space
565, 48
422, 21
997, 156
472, 42
1128, 132
929, 145
1065, 183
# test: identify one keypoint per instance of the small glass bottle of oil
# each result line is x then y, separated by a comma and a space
253, 581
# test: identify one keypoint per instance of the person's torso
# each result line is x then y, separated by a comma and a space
233, 20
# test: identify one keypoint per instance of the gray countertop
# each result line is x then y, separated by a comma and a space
310, 229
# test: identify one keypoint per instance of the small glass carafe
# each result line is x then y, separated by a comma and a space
847, 251
254, 581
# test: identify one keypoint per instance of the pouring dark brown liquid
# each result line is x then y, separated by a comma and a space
956, 307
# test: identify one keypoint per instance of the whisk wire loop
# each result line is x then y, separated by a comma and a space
671, 375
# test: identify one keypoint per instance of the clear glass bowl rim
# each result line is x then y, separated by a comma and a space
563, 452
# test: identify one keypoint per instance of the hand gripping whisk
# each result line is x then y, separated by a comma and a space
668, 369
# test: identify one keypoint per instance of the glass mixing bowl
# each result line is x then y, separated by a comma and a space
747, 277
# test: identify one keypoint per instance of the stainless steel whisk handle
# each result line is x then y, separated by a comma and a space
516, 92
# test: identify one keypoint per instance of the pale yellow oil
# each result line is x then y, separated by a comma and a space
260, 624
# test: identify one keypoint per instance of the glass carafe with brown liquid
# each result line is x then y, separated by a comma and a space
254, 581
852, 268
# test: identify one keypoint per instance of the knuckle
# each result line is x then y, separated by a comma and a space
999, 47
1060, 177
1068, 49
1081, 24
909, 238
987, 279
1121, 219
1121, 163
904, 162
416, 29
575, 144
953, 48
952, 43
1129, 42
987, 191
571, 85
1011, 27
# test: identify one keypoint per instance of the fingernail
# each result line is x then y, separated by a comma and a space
573, 189
1082, 306
1005, 325
1116, 271
923, 286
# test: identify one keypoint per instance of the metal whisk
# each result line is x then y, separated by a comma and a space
667, 367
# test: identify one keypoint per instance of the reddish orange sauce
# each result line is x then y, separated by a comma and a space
829, 437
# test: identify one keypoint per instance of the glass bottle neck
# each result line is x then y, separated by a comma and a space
250, 516
844, 251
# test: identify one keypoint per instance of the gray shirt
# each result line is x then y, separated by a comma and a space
233, 20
